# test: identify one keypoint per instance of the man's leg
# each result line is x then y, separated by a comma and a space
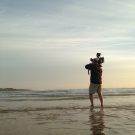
101, 98
91, 99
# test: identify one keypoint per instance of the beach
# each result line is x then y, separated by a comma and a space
43, 116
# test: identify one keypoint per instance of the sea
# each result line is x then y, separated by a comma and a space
66, 112
61, 94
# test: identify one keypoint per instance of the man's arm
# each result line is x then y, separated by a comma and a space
88, 66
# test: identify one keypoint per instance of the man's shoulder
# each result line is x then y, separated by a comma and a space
96, 66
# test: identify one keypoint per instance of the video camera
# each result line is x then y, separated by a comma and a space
100, 59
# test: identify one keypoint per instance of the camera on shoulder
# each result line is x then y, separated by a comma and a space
99, 59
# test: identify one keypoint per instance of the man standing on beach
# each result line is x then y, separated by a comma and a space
95, 81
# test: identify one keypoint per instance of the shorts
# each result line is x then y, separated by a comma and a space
95, 88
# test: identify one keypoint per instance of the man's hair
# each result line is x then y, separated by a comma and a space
95, 60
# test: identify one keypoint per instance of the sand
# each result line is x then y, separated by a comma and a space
68, 117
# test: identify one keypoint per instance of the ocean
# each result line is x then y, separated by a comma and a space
60, 112
70, 93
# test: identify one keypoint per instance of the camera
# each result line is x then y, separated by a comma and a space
100, 59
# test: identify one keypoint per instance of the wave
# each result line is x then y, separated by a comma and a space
64, 93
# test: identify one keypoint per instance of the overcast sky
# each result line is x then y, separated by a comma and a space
45, 44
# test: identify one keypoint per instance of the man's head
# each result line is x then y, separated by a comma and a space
95, 61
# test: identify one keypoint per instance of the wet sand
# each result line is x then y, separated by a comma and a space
68, 117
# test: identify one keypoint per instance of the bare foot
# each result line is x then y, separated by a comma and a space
92, 106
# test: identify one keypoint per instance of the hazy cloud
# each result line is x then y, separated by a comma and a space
53, 39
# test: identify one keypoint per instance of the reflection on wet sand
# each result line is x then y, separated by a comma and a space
96, 119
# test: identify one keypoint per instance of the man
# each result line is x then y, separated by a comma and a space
95, 81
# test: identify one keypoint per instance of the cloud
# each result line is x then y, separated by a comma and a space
40, 35
73, 19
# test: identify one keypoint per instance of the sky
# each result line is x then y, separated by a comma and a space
45, 44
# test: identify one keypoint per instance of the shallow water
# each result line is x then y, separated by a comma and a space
68, 117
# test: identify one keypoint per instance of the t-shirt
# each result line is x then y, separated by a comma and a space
96, 73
